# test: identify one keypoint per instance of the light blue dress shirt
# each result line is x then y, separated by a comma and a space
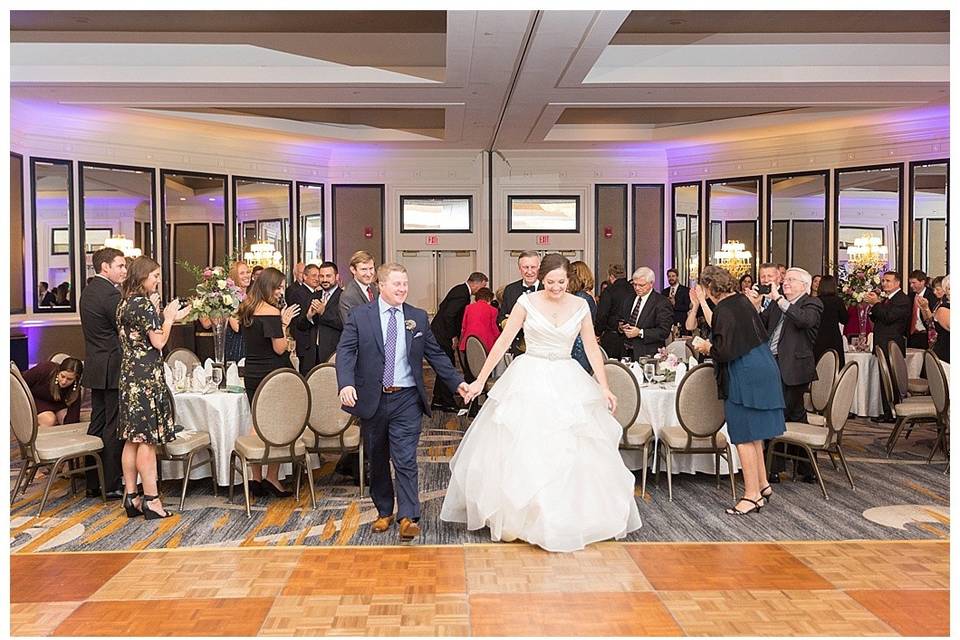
402, 374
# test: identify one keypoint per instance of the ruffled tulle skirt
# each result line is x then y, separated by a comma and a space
541, 463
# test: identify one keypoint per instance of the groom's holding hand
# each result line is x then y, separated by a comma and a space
380, 375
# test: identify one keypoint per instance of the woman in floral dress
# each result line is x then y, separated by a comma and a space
145, 418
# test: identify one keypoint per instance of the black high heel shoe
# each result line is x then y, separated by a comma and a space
128, 506
274, 491
733, 511
150, 514
766, 493
256, 488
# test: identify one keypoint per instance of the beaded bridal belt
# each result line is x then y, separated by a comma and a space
548, 355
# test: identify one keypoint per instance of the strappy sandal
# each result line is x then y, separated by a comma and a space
766, 493
150, 514
733, 511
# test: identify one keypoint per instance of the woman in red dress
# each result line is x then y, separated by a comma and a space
480, 320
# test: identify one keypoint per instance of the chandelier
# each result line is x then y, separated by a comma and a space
124, 245
265, 255
866, 250
733, 257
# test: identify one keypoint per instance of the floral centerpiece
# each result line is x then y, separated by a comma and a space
216, 297
667, 364
856, 280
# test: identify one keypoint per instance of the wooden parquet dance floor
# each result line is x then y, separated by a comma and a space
847, 588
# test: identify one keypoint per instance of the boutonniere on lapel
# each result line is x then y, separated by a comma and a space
410, 325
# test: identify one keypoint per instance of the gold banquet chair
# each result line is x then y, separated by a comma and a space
59, 357
908, 387
701, 416
940, 394
281, 408
47, 448
908, 410
813, 438
828, 367
635, 436
185, 445
330, 429
71, 427
184, 355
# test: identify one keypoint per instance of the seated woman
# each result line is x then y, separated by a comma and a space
480, 320
56, 391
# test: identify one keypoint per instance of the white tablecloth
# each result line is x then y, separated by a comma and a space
866, 401
658, 408
914, 362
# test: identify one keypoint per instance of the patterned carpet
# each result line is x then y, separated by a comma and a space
895, 499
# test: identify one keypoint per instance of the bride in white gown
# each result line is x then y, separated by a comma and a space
540, 462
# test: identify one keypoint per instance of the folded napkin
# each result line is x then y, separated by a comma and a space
693, 362
179, 370
199, 379
242, 362
870, 342
208, 367
233, 376
681, 371
168, 375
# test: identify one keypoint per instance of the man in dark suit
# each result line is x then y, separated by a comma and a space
380, 375
326, 316
917, 336
302, 327
647, 317
446, 327
679, 297
296, 287
611, 301
529, 265
362, 287
101, 366
891, 318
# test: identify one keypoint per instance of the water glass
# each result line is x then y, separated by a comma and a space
649, 370
216, 375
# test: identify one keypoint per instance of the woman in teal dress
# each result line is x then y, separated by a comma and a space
748, 380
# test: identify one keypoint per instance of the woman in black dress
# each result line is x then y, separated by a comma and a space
835, 313
942, 319
264, 328
56, 391
145, 418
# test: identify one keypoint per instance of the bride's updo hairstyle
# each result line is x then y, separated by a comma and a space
718, 281
553, 261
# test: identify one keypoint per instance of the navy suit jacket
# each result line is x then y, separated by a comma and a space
360, 357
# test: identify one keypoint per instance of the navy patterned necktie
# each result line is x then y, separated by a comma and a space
390, 349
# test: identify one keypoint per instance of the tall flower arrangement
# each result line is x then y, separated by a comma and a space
216, 295
856, 280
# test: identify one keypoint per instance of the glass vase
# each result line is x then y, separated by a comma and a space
219, 347
863, 312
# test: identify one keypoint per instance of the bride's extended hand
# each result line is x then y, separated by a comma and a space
611, 400
474, 389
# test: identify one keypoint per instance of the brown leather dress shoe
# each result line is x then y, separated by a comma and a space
408, 529
382, 523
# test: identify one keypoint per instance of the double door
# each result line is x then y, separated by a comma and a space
433, 273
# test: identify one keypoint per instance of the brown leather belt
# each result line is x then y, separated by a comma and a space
394, 389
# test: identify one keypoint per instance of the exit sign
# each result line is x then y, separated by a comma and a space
433, 240
544, 239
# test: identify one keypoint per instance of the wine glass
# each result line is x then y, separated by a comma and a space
179, 379
649, 370
216, 375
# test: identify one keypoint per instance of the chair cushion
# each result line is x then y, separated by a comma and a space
351, 439
188, 441
816, 419
639, 434
918, 385
676, 438
50, 446
917, 400
916, 409
73, 427
252, 446
809, 434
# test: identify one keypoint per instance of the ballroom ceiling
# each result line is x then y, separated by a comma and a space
486, 79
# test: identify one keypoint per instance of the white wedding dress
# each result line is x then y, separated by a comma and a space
540, 461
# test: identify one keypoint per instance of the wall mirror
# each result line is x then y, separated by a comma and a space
18, 298
263, 212
194, 209
733, 210
686, 231
116, 206
310, 214
798, 212
868, 205
930, 212
53, 234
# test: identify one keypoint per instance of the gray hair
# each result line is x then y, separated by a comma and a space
945, 283
805, 277
644, 272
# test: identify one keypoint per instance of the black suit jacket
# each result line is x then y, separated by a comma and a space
448, 321
98, 318
891, 319
301, 327
324, 330
681, 305
294, 291
512, 293
795, 356
932, 299
655, 319
608, 313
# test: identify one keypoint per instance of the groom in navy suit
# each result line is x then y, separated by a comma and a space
380, 376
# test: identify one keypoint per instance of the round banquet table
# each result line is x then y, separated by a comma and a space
866, 401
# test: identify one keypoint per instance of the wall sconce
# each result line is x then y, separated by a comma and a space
368, 232
608, 232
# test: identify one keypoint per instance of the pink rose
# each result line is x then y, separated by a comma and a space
208, 273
